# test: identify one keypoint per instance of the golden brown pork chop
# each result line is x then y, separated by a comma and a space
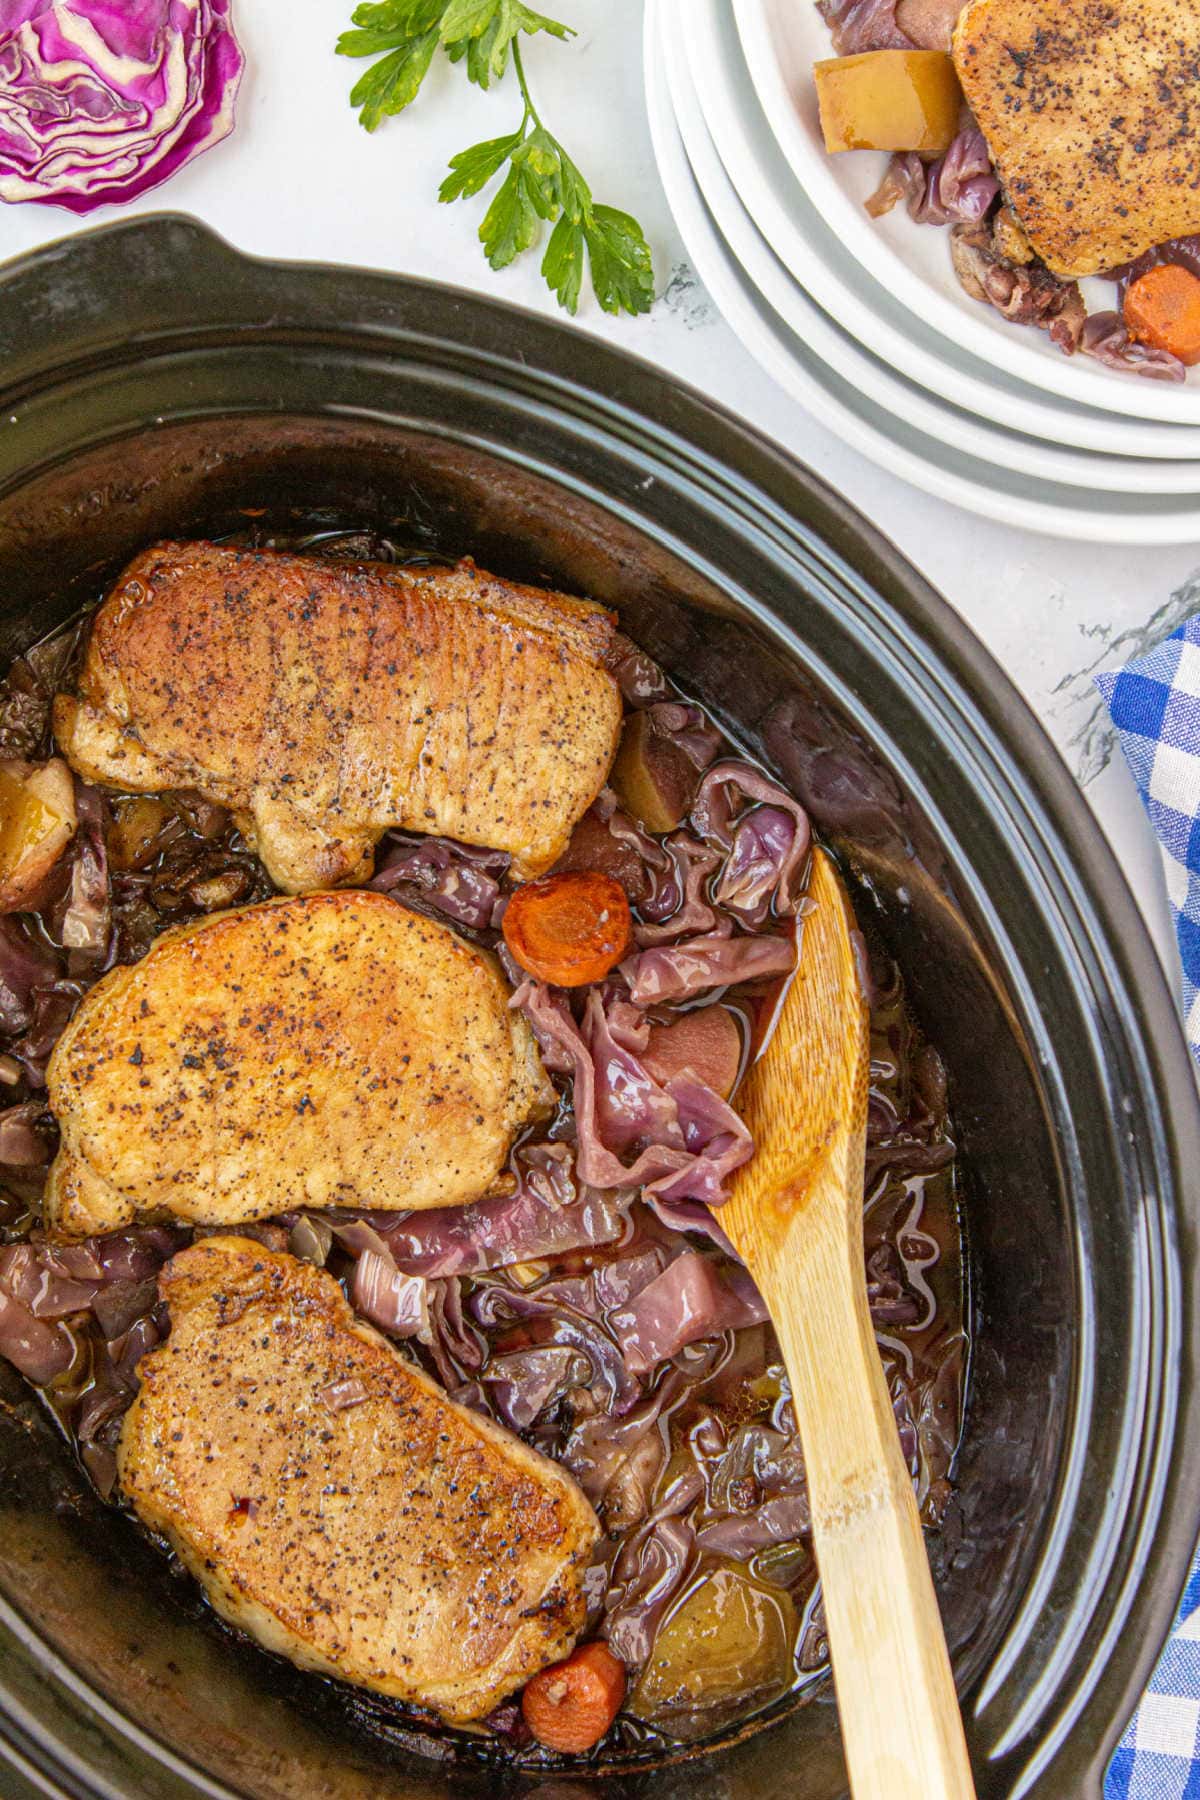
335, 1503
332, 1050
1091, 110
326, 701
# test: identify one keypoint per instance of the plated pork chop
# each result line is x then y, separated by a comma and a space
1089, 108
329, 1050
335, 1503
326, 701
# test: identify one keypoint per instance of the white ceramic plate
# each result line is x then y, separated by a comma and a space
961, 430
782, 39
886, 440
791, 225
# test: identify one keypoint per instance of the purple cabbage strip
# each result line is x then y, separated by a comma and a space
119, 1304
766, 843
957, 188
860, 25
396, 1302
453, 1332
128, 1350
691, 1299
687, 1140
37, 1349
114, 1279
664, 889
1185, 251
552, 1211
52, 1010
569, 1328
107, 1275
599, 1450
22, 1145
648, 1573
689, 728
692, 864
81, 921
699, 964
133, 1255
630, 1109
457, 880
775, 1521
26, 964
26, 1276
639, 677
343, 1394
101, 102
524, 1383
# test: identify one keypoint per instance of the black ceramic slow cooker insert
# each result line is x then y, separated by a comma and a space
155, 383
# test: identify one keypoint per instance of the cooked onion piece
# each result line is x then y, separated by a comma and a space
729, 1643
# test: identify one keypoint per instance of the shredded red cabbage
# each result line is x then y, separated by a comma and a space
684, 1139
956, 188
860, 25
690, 1299
697, 966
456, 880
552, 1210
763, 835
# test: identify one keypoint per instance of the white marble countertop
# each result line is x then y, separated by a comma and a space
299, 178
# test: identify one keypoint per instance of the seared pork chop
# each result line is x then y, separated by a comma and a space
1090, 111
326, 701
330, 1050
335, 1503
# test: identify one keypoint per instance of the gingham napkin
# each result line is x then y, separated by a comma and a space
1155, 706
1159, 1756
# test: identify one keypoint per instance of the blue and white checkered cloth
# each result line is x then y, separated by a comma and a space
1155, 706
1159, 1756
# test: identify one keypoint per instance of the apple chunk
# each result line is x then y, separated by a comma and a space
37, 822
706, 1041
652, 777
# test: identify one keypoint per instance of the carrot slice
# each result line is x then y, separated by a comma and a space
1162, 308
571, 1705
569, 929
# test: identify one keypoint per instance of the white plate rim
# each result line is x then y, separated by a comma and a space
987, 337
853, 361
722, 277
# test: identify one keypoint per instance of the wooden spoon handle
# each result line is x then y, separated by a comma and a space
900, 1719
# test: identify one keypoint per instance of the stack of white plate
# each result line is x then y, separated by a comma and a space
862, 321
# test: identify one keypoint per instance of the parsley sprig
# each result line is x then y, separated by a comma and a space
542, 186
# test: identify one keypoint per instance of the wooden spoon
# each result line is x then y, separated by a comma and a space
795, 1216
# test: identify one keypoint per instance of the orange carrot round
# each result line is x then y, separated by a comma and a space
569, 929
571, 1705
1162, 308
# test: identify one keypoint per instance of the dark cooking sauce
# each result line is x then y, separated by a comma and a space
706, 1586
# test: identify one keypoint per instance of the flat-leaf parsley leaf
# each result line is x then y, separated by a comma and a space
542, 185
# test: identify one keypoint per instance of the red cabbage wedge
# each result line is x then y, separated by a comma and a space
100, 100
